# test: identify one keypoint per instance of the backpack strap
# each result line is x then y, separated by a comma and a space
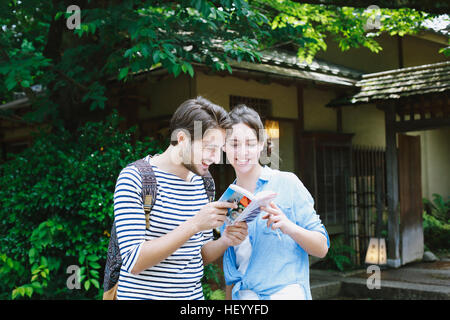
149, 187
210, 187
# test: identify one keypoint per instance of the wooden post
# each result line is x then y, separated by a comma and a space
394, 259
299, 128
339, 119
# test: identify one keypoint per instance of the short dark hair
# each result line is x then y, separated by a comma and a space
198, 109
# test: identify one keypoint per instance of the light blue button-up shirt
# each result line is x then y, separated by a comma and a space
276, 263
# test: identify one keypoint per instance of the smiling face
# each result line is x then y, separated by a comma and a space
199, 154
243, 148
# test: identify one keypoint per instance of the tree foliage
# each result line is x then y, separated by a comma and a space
117, 39
57, 209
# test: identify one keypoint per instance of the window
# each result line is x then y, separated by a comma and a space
325, 170
262, 106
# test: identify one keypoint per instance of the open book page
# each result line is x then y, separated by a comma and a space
248, 204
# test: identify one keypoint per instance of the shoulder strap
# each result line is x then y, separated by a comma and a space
149, 187
210, 187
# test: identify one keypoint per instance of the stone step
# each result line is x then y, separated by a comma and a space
325, 289
394, 290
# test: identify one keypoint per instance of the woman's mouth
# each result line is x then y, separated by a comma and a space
242, 162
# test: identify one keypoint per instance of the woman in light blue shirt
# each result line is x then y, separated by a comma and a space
272, 262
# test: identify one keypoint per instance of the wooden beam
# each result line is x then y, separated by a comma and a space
419, 125
394, 259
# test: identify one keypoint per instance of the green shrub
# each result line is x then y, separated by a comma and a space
57, 209
213, 277
436, 233
438, 208
338, 256
436, 223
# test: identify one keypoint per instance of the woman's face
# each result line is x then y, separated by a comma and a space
242, 147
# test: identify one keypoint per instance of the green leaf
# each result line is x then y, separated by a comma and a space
123, 73
10, 83
14, 294
44, 261
94, 265
87, 285
92, 257
59, 15
94, 273
176, 69
156, 56
188, 67
95, 283
29, 291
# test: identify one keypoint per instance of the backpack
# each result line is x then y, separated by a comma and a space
149, 191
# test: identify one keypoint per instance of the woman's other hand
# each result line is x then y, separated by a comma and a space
276, 219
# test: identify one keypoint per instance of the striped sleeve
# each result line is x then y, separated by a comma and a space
208, 236
129, 216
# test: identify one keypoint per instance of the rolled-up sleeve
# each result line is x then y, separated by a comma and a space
305, 214
129, 216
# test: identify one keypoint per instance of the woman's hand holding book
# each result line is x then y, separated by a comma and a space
233, 235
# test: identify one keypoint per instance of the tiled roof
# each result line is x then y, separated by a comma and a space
287, 65
399, 83
288, 59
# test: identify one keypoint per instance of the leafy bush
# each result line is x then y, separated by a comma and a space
438, 208
436, 223
338, 256
213, 277
57, 209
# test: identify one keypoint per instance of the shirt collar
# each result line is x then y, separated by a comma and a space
266, 172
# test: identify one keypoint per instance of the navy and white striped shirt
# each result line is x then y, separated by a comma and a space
179, 275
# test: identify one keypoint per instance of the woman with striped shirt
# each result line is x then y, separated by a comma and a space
166, 260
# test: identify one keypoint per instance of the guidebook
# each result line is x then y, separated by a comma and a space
248, 204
